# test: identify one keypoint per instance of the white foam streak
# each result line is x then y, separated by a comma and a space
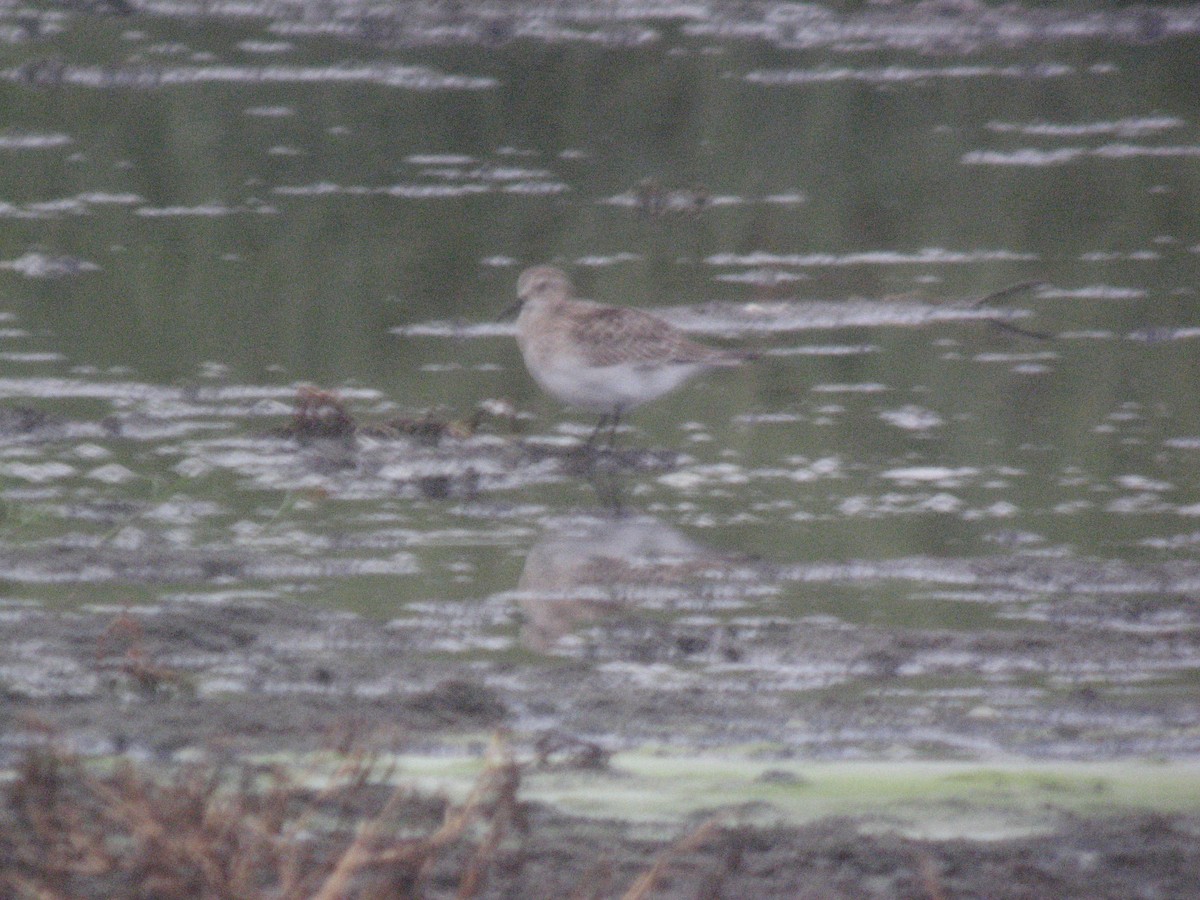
902, 74
1134, 126
925, 256
1030, 156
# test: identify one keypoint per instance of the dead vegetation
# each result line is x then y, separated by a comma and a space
319, 414
121, 651
70, 828
81, 830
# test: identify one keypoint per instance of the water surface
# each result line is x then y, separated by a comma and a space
976, 521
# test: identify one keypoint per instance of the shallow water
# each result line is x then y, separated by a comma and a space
981, 515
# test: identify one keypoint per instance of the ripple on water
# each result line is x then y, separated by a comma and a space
31, 357
905, 74
47, 266
782, 316
924, 28
865, 387
78, 205
169, 399
925, 256
1030, 156
1133, 126
1163, 334
912, 418
37, 472
204, 210
20, 140
416, 191
1093, 292
143, 76
266, 47
1029, 574
271, 112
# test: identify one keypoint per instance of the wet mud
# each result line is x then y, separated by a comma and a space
261, 675
242, 678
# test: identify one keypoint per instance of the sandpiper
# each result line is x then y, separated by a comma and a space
599, 358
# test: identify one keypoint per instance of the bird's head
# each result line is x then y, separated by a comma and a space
539, 283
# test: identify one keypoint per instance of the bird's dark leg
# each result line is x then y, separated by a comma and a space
612, 420
612, 431
599, 427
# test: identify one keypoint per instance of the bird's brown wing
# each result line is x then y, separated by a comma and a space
612, 335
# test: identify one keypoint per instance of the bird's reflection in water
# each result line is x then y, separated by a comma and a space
611, 563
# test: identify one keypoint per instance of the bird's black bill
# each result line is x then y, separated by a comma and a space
510, 312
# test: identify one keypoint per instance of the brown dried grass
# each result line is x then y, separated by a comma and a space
73, 829
68, 829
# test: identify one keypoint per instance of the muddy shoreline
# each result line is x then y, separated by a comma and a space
240, 679
258, 676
